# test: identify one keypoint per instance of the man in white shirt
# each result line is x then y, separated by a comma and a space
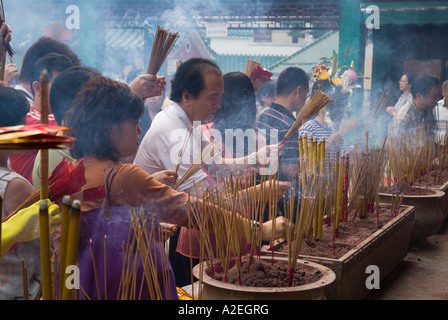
196, 91
197, 94
441, 114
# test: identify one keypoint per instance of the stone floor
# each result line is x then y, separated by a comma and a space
422, 275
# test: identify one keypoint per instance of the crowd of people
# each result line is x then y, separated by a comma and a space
124, 141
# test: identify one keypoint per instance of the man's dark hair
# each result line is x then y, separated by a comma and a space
13, 106
66, 86
190, 76
40, 48
423, 85
289, 79
52, 62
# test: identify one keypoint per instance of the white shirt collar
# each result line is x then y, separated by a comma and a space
180, 113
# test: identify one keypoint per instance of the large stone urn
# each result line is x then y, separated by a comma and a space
428, 214
213, 289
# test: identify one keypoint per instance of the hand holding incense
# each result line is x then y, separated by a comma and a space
317, 101
148, 85
258, 75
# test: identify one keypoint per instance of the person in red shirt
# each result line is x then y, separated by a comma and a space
40, 48
54, 64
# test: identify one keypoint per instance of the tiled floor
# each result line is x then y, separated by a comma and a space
423, 274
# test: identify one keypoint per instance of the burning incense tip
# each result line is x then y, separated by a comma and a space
76, 204
66, 200
43, 205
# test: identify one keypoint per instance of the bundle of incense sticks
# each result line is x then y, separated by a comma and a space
208, 153
258, 75
312, 162
365, 174
9, 50
334, 187
44, 101
250, 66
164, 41
45, 252
442, 156
396, 201
141, 246
70, 236
231, 219
299, 222
409, 158
317, 101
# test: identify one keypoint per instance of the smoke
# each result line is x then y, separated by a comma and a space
25, 30
181, 17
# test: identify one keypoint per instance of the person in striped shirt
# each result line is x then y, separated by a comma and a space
292, 89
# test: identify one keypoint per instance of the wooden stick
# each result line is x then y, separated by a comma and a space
45, 255
1, 219
302, 169
72, 243
55, 274
367, 142
204, 157
321, 190
43, 90
95, 271
2, 70
187, 137
25, 281
105, 267
65, 216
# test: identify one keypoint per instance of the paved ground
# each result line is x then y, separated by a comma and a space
423, 274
